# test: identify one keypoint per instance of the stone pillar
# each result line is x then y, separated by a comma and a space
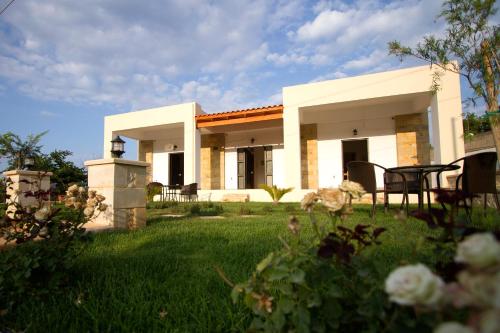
212, 161
412, 139
22, 181
123, 183
146, 155
309, 155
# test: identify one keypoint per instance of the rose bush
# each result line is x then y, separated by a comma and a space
47, 241
475, 290
319, 284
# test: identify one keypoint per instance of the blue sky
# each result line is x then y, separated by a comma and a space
64, 65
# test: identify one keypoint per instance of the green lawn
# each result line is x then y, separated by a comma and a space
126, 280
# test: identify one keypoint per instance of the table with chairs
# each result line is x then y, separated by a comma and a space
477, 176
174, 192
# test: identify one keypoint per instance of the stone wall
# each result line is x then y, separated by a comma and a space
412, 139
309, 155
479, 141
146, 155
212, 161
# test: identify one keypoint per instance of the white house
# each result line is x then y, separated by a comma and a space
390, 118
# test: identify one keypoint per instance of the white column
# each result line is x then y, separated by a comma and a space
291, 139
447, 129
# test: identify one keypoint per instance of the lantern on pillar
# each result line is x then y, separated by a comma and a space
29, 162
117, 147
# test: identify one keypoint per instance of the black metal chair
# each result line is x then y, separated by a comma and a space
478, 177
363, 172
154, 188
189, 192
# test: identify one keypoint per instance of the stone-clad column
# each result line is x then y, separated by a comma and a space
23, 181
309, 155
123, 183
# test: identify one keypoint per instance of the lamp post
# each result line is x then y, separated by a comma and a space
29, 162
117, 147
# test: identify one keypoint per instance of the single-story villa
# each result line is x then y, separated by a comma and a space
391, 118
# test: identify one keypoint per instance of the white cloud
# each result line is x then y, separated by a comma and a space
49, 114
330, 76
134, 53
340, 32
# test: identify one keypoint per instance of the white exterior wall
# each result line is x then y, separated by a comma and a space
279, 166
136, 124
161, 152
230, 169
446, 108
382, 147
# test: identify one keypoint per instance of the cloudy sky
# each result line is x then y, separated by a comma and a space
64, 64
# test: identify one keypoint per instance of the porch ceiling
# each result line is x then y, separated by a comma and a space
153, 132
367, 108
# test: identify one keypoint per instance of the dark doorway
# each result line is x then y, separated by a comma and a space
245, 168
354, 150
176, 169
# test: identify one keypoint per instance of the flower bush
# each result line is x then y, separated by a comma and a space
47, 240
476, 288
321, 284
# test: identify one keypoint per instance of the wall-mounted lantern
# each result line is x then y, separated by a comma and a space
117, 147
355, 132
29, 162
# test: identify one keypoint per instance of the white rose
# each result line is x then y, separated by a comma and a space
42, 214
479, 250
88, 212
414, 284
452, 327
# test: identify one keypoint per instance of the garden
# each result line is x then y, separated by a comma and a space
178, 273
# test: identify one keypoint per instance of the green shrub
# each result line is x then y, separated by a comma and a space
244, 210
203, 209
318, 284
39, 268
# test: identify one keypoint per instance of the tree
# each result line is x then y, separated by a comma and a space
64, 172
471, 40
15, 150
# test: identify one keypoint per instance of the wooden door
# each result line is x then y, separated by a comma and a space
242, 170
176, 169
268, 160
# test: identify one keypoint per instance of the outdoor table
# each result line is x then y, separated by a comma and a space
419, 171
171, 192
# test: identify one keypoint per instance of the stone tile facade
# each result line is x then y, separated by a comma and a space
22, 181
309, 155
146, 155
123, 183
212, 161
412, 139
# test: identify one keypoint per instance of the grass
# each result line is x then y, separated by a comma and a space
162, 277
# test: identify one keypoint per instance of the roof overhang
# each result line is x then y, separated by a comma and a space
240, 117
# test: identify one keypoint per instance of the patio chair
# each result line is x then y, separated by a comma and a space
363, 172
154, 188
189, 192
478, 177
